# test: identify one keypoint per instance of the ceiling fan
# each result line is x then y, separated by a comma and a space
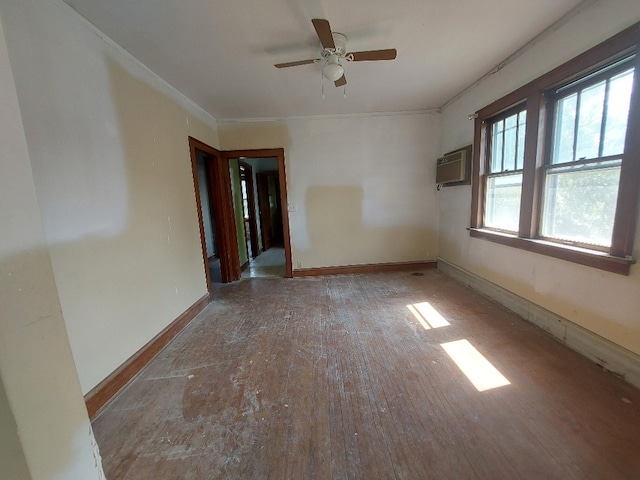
334, 53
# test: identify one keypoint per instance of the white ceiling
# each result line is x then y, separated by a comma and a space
220, 53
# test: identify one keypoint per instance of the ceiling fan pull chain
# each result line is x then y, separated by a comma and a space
345, 91
322, 85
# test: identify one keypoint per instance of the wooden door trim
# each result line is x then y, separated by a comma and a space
222, 208
282, 174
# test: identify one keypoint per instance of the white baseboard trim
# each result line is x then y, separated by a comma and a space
603, 352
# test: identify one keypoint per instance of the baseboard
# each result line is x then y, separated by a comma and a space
599, 350
366, 268
106, 390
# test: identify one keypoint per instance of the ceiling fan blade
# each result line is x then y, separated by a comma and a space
295, 64
370, 55
341, 81
323, 29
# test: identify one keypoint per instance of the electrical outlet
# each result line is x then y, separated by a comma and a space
298, 264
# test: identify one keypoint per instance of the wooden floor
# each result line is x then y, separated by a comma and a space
336, 378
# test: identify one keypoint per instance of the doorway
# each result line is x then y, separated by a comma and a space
208, 218
213, 200
268, 238
227, 213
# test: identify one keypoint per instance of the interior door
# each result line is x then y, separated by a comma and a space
246, 175
266, 226
222, 210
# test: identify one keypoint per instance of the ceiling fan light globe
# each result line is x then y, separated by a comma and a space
333, 71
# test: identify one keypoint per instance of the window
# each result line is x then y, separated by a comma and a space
504, 179
556, 163
582, 173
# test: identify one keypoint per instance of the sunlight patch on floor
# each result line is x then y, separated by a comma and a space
480, 372
427, 315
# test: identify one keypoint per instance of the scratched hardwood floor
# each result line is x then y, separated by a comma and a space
335, 378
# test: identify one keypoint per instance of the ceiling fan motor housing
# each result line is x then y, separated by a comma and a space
340, 42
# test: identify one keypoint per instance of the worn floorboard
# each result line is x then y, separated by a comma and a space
336, 378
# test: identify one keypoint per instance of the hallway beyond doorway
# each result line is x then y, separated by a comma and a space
269, 264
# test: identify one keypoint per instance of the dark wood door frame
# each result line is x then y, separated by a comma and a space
282, 176
220, 198
251, 203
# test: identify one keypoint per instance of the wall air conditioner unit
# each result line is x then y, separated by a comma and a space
453, 167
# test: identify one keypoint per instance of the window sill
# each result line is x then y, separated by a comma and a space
590, 258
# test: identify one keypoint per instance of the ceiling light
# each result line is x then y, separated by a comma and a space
332, 70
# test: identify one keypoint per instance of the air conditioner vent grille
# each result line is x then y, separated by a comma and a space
452, 167
452, 157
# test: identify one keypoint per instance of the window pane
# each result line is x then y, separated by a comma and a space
502, 206
580, 203
522, 121
590, 121
496, 147
617, 113
510, 140
564, 129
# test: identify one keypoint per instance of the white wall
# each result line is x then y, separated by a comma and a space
604, 303
108, 144
363, 187
44, 428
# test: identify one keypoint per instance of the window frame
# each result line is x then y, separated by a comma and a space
536, 96
501, 117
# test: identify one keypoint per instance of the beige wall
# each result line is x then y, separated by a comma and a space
605, 303
45, 431
108, 143
362, 187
